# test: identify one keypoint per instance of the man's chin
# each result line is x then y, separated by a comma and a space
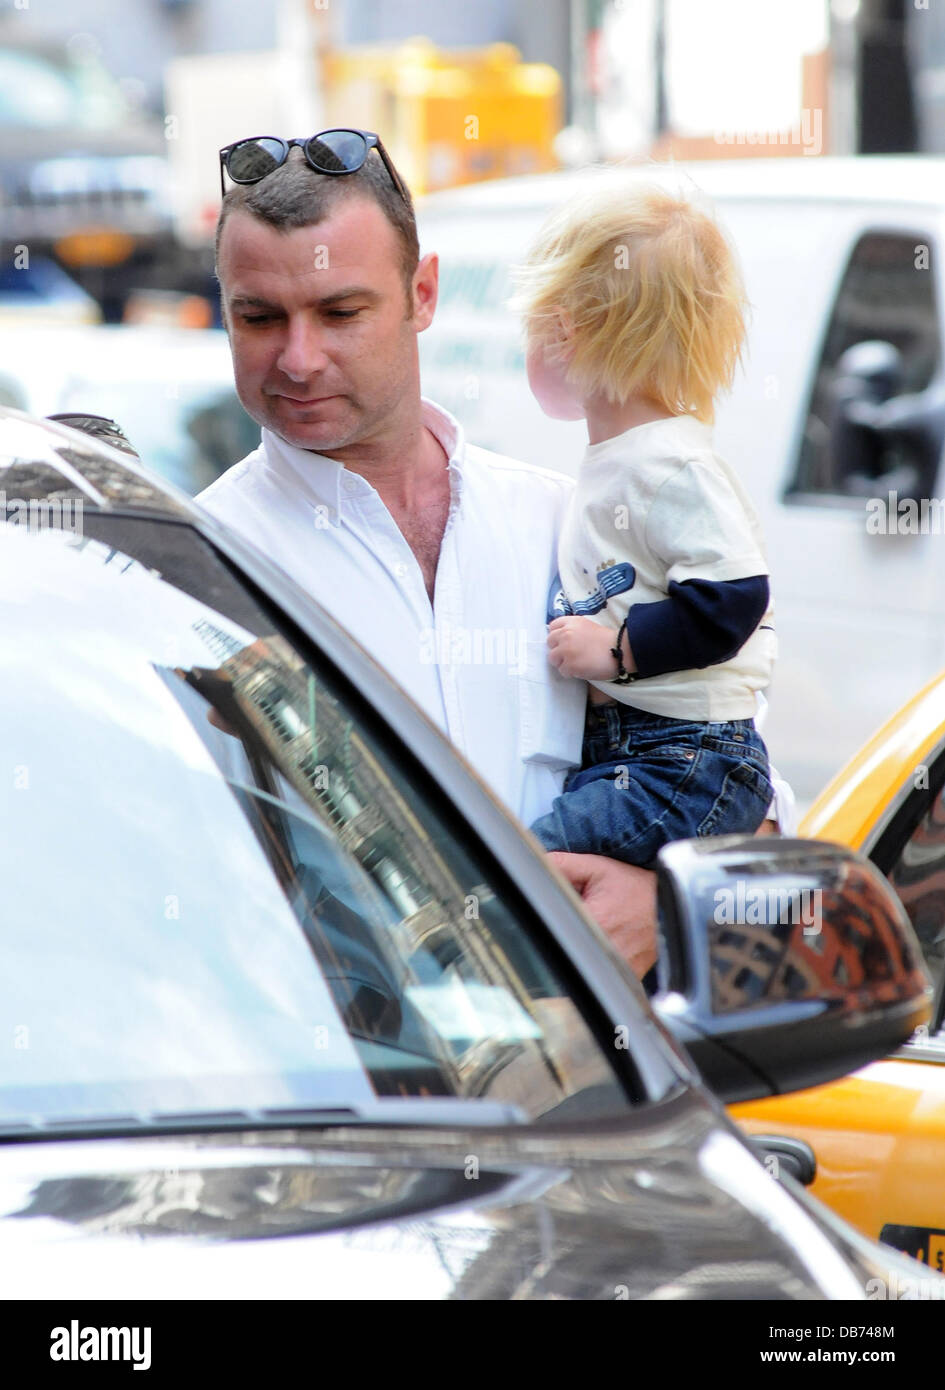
307, 429
315, 442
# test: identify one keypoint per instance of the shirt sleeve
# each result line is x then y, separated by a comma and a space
783, 809
700, 527
700, 624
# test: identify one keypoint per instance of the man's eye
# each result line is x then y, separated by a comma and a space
256, 318
343, 313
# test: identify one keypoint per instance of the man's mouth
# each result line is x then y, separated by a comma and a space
304, 400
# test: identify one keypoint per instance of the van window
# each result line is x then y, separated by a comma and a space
887, 296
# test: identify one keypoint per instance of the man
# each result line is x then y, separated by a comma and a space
367, 495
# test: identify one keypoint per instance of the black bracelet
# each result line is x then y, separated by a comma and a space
623, 676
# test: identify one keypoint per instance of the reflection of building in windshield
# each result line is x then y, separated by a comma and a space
221, 643
253, 1201
451, 931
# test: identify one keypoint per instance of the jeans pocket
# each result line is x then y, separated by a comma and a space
742, 803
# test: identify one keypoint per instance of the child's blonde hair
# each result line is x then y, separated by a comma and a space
647, 291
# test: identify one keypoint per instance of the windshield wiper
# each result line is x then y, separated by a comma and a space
444, 1112
453, 1111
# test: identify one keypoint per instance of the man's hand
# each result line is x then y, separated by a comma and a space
582, 648
622, 900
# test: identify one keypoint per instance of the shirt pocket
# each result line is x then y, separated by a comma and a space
551, 710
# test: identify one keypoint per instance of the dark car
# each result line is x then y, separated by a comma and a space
83, 173
293, 1009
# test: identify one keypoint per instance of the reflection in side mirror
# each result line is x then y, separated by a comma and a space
784, 963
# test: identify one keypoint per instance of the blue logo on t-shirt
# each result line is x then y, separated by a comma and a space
616, 579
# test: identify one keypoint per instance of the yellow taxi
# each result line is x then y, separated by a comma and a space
879, 1134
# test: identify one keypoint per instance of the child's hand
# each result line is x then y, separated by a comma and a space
582, 648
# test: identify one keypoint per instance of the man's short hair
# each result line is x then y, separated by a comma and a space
294, 195
645, 291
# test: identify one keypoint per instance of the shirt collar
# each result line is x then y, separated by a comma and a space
644, 437
325, 481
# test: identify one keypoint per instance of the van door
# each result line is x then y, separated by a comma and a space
858, 605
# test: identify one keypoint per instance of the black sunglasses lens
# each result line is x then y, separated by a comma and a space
337, 151
254, 159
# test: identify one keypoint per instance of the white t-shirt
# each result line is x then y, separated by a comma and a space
659, 502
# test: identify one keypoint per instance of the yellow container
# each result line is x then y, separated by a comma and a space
448, 117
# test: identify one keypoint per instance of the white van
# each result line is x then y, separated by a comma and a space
836, 253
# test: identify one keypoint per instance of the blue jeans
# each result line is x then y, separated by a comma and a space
646, 780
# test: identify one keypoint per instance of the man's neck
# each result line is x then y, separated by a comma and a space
405, 468
412, 480
409, 479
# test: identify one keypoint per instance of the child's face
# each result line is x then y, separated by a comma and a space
546, 377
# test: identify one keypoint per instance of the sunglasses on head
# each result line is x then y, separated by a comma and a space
329, 152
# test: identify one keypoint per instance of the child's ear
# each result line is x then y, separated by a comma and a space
560, 340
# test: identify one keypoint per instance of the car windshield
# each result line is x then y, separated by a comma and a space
223, 892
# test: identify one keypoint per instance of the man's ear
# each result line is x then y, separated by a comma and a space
426, 284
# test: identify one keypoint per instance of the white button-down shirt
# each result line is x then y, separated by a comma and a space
476, 660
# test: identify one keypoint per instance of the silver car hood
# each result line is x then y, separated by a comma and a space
668, 1205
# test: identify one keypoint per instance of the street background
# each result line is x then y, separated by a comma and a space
111, 117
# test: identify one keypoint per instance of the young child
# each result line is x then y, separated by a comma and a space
634, 318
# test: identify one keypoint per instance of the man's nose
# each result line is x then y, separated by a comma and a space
302, 352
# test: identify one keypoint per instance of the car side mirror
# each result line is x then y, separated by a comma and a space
783, 963
99, 427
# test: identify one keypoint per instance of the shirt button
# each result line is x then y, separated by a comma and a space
401, 571
350, 484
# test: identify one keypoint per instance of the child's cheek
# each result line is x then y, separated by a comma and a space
550, 388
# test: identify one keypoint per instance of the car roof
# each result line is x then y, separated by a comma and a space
885, 179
